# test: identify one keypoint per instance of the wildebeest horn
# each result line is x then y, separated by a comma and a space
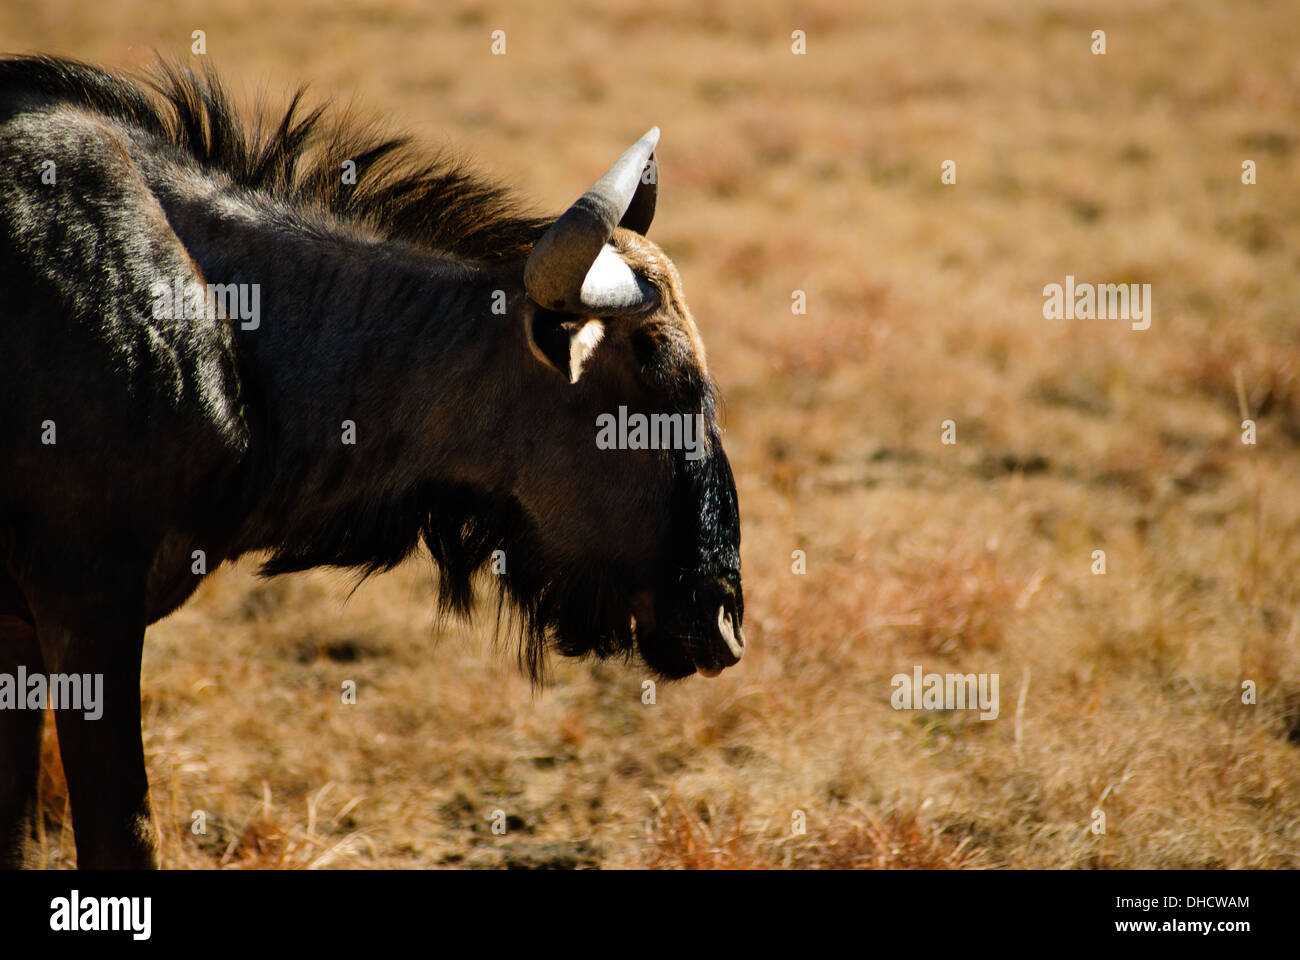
570, 267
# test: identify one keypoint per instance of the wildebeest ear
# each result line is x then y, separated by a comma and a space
641, 211
562, 341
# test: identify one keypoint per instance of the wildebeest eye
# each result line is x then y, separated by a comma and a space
645, 348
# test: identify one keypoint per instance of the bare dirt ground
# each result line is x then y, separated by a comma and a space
1120, 694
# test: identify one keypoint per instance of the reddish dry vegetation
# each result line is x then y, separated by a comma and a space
1121, 694
681, 840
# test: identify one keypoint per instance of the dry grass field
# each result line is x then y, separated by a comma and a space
1120, 693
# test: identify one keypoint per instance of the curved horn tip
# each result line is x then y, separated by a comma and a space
557, 269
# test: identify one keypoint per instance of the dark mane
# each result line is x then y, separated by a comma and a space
434, 201
461, 527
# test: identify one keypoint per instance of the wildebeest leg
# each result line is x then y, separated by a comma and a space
20, 733
103, 757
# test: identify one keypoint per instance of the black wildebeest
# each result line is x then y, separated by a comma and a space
426, 364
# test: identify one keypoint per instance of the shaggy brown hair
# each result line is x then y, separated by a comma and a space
436, 202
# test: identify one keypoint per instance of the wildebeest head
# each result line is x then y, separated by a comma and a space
629, 494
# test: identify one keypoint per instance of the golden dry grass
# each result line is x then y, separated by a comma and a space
1119, 693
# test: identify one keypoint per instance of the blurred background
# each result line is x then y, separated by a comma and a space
1121, 694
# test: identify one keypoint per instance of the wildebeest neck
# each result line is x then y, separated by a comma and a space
364, 375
